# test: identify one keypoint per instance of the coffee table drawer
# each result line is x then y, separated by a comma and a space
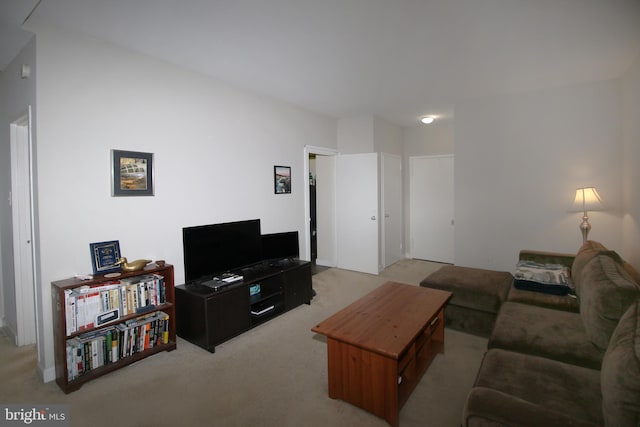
418, 356
430, 342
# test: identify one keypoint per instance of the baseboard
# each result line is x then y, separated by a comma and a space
46, 374
325, 263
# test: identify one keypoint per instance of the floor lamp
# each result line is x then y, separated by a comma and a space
587, 199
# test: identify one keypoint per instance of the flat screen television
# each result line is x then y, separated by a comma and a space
277, 246
217, 248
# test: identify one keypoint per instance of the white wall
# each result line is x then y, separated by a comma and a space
434, 139
519, 159
215, 147
387, 137
631, 156
355, 135
16, 94
368, 134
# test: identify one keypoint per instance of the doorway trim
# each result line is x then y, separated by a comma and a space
308, 150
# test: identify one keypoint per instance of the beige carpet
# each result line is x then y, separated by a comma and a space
273, 375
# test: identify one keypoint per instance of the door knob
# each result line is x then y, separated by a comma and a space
373, 217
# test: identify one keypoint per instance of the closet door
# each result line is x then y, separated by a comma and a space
432, 208
357, 217
391, 175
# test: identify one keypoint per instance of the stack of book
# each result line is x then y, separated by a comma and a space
94, 349
91, 306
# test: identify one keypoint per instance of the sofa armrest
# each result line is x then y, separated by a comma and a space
544, 257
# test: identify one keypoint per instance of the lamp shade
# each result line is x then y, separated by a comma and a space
587, 199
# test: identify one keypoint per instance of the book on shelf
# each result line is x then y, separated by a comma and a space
87, 307
143, 332
93, 349
89, 351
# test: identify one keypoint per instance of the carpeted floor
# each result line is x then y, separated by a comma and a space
273, 375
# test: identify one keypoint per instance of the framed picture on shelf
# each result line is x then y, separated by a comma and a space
104, 256
131, 173
282, 179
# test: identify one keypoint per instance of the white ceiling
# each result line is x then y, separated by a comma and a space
395, 59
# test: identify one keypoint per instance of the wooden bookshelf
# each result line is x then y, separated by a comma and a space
157, 302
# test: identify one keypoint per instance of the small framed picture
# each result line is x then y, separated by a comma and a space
282, 179
131, 173
104, 256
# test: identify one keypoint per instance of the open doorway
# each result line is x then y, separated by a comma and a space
319, 247
313, 210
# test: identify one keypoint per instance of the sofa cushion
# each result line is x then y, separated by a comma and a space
539, 331
517, 389
606, 293
589, 250
558, 302
621, 372
468, 320
473, 288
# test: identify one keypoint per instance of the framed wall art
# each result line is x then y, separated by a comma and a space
282, 179
131, 173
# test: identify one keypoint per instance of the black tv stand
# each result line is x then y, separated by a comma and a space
207, 314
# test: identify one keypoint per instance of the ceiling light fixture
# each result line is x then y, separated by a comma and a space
427, 120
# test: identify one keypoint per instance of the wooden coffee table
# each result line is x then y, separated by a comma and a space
379, 347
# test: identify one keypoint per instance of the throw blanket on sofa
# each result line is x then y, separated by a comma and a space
548, 278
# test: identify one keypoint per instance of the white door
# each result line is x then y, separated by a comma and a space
22, 319
357, 217
391, 175
432, 208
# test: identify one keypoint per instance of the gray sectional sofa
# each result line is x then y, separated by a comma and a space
562, 360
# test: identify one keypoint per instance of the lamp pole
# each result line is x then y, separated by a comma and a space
585, 227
